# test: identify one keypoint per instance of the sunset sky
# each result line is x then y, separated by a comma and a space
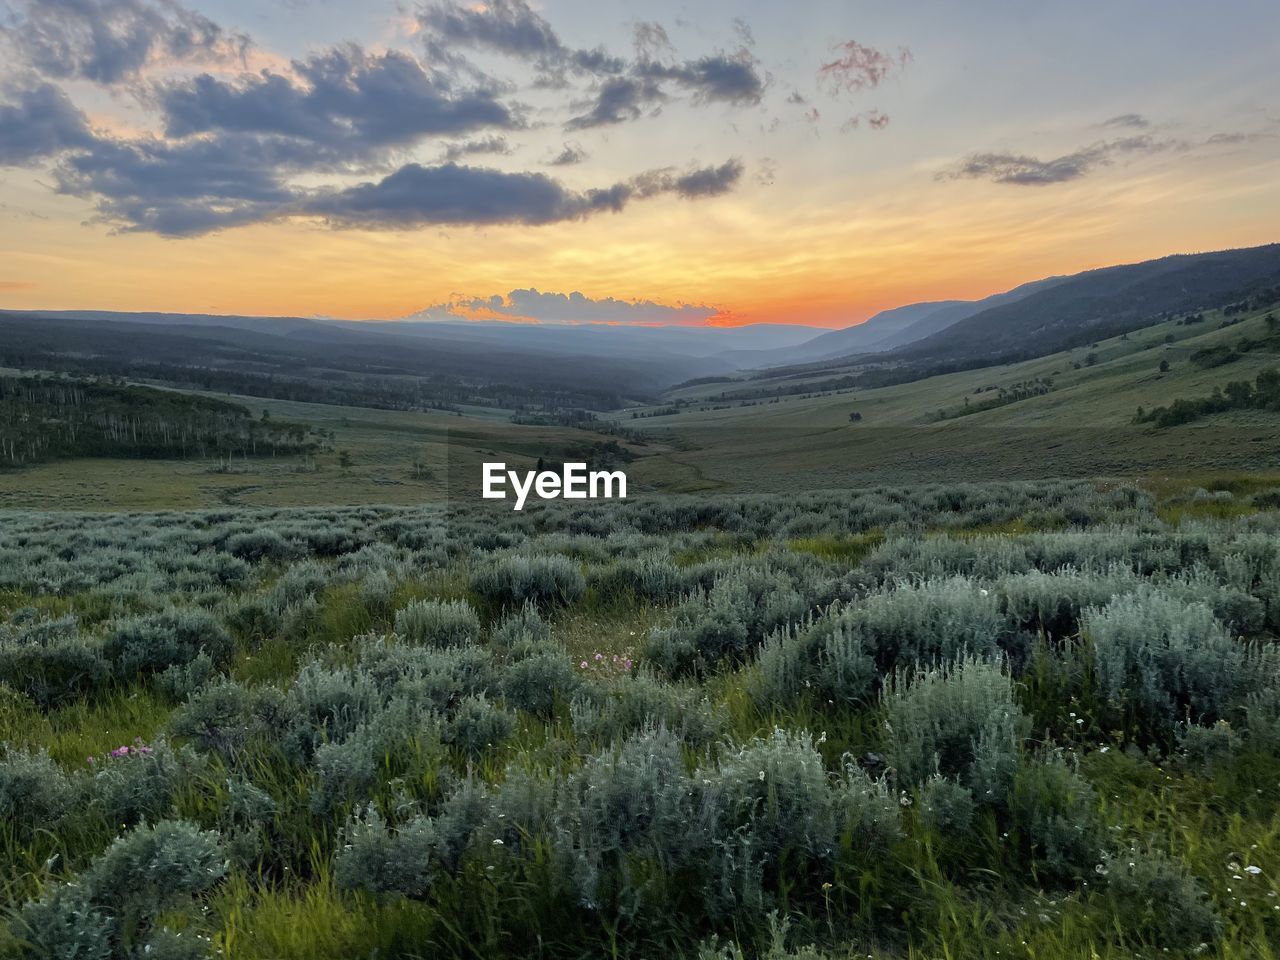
669, 162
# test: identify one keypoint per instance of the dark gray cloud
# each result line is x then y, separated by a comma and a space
1023, 170
417, 196
692, 184
507, 26
858, 67
187, 188
345, 99
512, 28
471, 148
41, 122
108, 41
548, 307
449, 194
572, 153
718, 77
618, 100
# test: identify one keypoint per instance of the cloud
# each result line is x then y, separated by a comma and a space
859, 67
108, 41
418, 196
344, 99
507, 26
1133, 121
719, 77
571, 154
469, 148
513, 28
1023, 170
533, 305
618, 100
875, 119
693, 184
42, 123
184, 189
651, 41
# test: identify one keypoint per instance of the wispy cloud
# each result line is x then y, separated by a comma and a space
1025, 170
857, 67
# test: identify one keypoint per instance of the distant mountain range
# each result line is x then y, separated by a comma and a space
616, 361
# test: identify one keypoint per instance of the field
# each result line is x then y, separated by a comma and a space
1081, 426
1007, 720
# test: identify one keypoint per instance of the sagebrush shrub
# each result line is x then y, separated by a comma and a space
136, 782
627, 806
960, 720
1155, 899
1164, 659
479, 725
51, 661
35, 792
1055, 811
151, 643
545, 581
541, 678
611, 709
945, 806
438, 623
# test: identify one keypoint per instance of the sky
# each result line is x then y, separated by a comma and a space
591, 161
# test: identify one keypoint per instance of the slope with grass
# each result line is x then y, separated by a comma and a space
1083, 426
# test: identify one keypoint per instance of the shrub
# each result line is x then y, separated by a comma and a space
539, 680
153, 869
136, 782
612, 709
945, 806
776, 793
224, 716
478, 726
728, 622
64, 925
438, 623
1054, 811
545, 581
151, 643
525, 626
260, 545
51, 661
148, 872
1160, 659
374, 858
959, 720
35, 792
1153, 897
327, 704
626, 818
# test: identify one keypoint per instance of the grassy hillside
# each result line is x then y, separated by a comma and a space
1082, 427
394, 457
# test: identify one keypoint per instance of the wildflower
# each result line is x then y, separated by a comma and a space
1252, 870
583, 665
497, 842
599, 657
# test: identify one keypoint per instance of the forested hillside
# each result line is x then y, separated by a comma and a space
44, 418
